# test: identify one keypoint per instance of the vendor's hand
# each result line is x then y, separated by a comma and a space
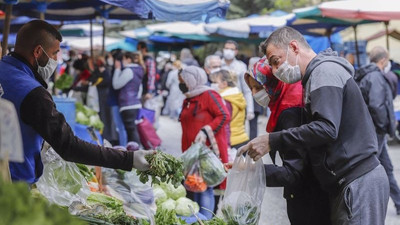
139, 161
250, 116
117, 64
256, 148
201, 137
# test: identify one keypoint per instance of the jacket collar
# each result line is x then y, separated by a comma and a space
23, 60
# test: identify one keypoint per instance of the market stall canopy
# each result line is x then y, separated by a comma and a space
310, 21
74, 10
379, 10
175, 10
83, 43
81, 30
244, 27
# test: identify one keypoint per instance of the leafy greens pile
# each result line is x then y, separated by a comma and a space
19, 207
87, 116
163, 168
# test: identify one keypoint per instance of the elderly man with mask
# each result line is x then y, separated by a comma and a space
212, 64
378, 96
339, 135
229, 62
23, 76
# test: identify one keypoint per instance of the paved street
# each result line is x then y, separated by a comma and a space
273, 209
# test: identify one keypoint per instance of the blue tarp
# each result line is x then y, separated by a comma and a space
167, 10
321, 43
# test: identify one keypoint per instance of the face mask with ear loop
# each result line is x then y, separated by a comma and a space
262, 98
288, 73
46, 71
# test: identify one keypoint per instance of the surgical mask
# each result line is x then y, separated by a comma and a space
387, 68
229, 54
214, 86
110, 61
262, 98
46, 71
183, 88
288, 73
215, 70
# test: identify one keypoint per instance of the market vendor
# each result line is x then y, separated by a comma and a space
23, 76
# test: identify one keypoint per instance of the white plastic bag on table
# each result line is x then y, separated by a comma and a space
138, 197
61, 182
244, 192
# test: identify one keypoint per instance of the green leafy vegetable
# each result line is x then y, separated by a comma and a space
172, 191
64, 82
159, 194
182, 206
18, 207
84, 170
213, 221
246, 213
163, 168
87, 116
165, 216
168, 204
108, 201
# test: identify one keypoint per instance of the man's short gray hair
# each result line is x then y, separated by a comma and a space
209, 58
281, 39
378, 53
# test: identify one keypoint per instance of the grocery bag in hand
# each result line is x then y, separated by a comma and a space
147, 134
244, 192
209, 166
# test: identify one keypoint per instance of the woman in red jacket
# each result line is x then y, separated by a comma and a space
203, 119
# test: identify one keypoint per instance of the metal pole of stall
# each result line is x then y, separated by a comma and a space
387, 34
91, 38
356, 42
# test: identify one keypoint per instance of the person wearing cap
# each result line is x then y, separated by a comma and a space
307, 204
203, 120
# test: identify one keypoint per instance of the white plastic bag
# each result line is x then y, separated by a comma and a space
92, 99
244, 193
61, 182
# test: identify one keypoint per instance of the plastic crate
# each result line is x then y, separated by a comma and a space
66, 106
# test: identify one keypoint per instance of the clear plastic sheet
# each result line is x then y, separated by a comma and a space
61, 182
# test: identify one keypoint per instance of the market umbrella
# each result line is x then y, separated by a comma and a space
377, 10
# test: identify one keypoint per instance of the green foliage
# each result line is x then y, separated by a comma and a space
243, 8
163, 168
289, 5
18, 207
64, 82
87, 116
165, 216
213, 221
108, 201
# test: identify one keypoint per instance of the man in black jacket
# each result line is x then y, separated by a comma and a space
378, 96
23, 76
339, 136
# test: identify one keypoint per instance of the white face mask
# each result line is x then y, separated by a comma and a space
262, 98
387, 68
48, 70
229, 54
288, 73
215, 70
215, 87
110, 61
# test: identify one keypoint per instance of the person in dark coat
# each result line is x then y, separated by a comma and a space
378, 96
307, 203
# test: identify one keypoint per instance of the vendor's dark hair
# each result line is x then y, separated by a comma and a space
34, 33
